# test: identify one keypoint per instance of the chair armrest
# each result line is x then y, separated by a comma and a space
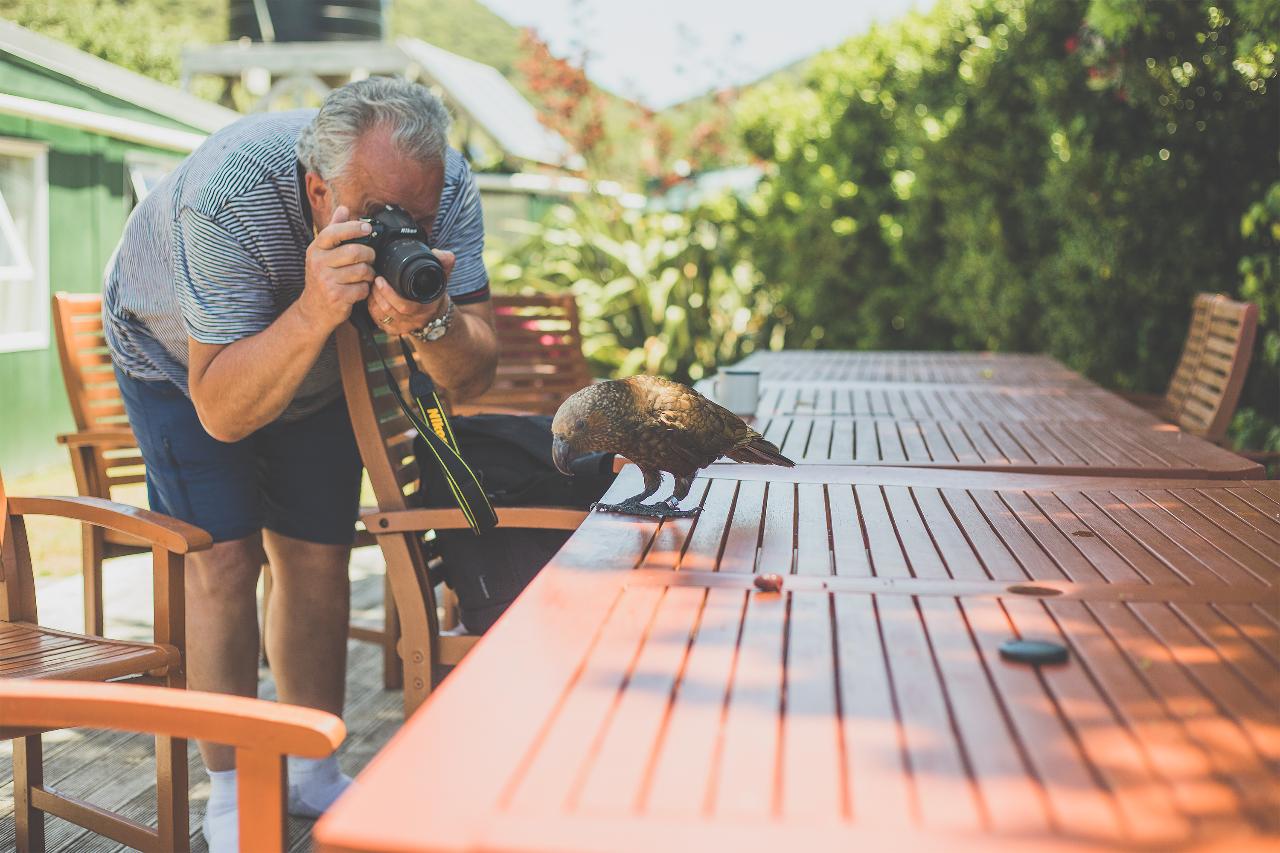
234, 720
169, 533
263, 733
422, 520
103, 438
467, 409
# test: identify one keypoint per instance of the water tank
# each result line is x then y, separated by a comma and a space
306, 20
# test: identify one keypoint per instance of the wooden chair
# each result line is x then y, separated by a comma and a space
386, 437
105, 455
541, 361
28, 651
104, 452
1205, 387
263, 733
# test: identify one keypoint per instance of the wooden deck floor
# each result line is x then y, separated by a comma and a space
116, 771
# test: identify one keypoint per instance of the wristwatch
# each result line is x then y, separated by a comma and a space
435, 330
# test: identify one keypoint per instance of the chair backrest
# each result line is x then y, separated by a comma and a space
1214, 388
540, 361
86, 362
383, 433
92, 391
1192, 349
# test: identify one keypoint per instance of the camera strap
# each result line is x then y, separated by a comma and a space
429, 419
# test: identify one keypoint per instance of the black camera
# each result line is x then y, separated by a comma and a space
402, 255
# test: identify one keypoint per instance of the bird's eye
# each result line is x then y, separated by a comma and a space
581, 424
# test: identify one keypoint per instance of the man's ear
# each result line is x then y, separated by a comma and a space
320, 197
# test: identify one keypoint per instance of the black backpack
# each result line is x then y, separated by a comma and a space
511, 456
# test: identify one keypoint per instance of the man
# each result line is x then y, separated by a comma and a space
220, 305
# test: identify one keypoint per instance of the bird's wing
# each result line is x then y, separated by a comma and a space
681, 445
700, 430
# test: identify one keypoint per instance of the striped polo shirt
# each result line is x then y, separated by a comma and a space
218, 249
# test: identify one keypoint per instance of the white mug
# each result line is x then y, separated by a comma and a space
738, 390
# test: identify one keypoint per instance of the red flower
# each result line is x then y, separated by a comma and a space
1071, 44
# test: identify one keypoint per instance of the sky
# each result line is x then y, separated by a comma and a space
661, 52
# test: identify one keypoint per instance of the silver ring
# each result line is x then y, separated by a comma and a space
386, 321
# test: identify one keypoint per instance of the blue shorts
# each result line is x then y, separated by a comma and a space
301, 478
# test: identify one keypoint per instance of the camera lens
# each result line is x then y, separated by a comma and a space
413, 271
423, 279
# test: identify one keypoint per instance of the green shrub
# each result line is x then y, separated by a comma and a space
1030, 175
659, 293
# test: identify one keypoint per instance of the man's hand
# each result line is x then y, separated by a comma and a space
399, 316
338, 276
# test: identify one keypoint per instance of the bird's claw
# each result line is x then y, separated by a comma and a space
661, 510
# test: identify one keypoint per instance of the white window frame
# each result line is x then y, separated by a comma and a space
136, 159
36, 338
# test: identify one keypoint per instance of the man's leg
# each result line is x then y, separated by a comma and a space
222, 628
310, 471
307, 625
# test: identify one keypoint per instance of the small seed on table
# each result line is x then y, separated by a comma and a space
768, 583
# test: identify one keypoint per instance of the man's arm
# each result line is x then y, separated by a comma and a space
468, 359
462, 362
238, 388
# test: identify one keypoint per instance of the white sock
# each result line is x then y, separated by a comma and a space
314, 783
222, 815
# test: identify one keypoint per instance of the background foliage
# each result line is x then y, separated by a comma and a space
1014, 174
1042, 175
657, 292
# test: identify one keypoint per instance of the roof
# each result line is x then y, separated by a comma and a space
488, 99
112, 80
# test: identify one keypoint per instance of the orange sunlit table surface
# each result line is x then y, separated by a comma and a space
642, 694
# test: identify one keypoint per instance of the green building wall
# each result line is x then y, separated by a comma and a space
89, 201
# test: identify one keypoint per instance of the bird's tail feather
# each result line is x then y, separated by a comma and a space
761, 452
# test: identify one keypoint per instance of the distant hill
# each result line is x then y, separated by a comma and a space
703, 128
465, 27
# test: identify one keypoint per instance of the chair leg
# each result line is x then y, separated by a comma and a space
28, 773
392, 672
172, 808
92, 548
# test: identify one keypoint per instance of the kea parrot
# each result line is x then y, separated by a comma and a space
660, 425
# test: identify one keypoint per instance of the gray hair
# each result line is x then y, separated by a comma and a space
418, 120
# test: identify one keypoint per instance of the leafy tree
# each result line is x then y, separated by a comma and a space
146, 36
570, 105
1028, 174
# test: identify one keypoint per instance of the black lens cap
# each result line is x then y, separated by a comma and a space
1034, 652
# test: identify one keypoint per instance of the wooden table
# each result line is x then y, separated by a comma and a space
643, 695
1070, 428
1110, 448
980, 368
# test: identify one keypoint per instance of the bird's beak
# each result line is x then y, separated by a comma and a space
562, 455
